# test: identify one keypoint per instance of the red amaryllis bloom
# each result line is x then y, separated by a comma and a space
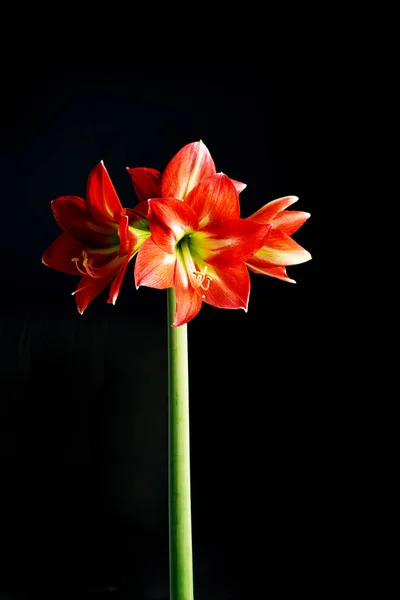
184, 171
100, 238
199, 247
279, 250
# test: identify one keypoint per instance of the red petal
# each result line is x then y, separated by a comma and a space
140, 210
239, 187
60, 253
186, 169
89, 287
71, 214
154, 267
263, 269
169, 220
188, 299
123, 234
146, 182
101, 195
231, 241
269, 211
116, 284
214, 198
280, 249
289, 221
229, 286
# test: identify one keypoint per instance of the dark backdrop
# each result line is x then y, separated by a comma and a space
83, 408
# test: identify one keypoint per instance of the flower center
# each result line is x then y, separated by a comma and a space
86, 264
196, 270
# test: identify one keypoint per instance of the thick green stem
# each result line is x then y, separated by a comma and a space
180, 522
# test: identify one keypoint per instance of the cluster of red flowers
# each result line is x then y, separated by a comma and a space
186, 231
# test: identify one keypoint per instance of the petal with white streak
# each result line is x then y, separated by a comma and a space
268, 212
154, 267
186, 169
281, 250
214, 199
169, 220
229, 286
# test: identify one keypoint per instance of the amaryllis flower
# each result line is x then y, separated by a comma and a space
184, 171
279, 250
199, 247
100, 238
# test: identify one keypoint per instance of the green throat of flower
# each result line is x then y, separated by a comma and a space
192, 265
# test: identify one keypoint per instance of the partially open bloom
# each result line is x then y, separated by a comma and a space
280, 250
184, 171
100, 238
199, 247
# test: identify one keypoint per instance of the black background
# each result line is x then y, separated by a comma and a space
83, 409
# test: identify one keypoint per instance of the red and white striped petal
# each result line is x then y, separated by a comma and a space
101, 195
229, 286
186, 169
169, 220
239, 186
146, 182
269, 211
289, 221
188, 298
229, 241
154, 267
270, 270
214, 199
281, 250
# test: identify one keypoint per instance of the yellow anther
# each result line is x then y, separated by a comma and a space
202, 279
86, 263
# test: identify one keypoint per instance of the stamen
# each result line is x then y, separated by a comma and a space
76, 261
87, 265
202, 279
